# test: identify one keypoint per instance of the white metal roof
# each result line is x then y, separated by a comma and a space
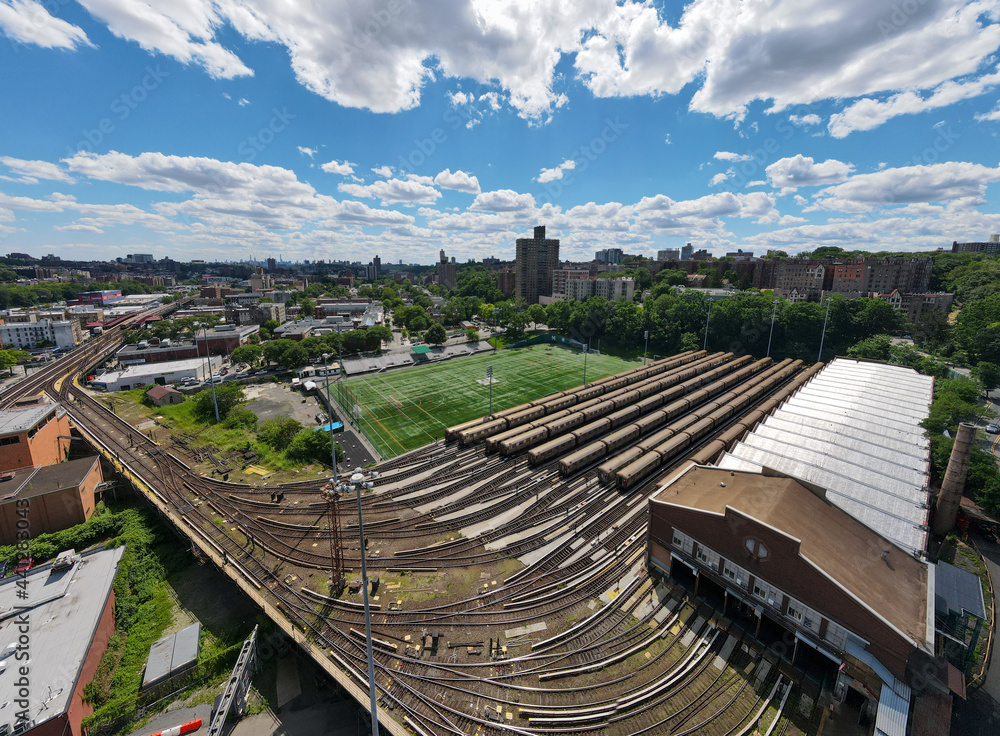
855, 431
63, 610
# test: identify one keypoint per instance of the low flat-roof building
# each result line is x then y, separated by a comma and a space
137, 376
54, 497
71, 618
32, 436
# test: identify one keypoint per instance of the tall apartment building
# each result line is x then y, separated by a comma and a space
686, 252
990, 247
27, 335
447, 271
561, 275
609, 255
536, 259
668, 254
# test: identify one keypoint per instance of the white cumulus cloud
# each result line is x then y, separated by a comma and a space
344, 168
802, 171
392, 191
503, 200
36, 169
556, 172
28, 22
459, 181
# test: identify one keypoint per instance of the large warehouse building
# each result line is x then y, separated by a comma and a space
811, 533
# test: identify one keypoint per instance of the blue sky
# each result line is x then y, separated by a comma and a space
227, 129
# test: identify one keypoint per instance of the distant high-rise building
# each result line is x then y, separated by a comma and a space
272, 264
668, 254
609, 255
991, 247
377, 263
536, 259
741, 255
447, 272
507, 280
686, 252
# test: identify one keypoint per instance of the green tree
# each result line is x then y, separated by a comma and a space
436, 335
241, 418
536, 314
312, 446
278, 431
8, 359
977, 331
988, 375
248, 354
873, 348
472, 334
228, 395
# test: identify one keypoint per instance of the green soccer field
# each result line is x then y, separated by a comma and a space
405, 409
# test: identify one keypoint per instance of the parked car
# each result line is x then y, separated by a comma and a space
224, 371
992, 428
24, 565
260, 373
322, 418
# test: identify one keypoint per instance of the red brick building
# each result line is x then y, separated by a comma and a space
33, 436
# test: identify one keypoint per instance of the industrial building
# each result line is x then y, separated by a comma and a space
32, 436
71, 614
536, 259
811, 532
59, 496
146, 374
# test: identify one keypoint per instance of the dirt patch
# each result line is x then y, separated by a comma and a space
278, 400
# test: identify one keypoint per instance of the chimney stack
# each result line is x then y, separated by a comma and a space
950, 497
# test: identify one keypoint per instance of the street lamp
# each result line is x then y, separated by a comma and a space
489, 381
646, 348
357, 480
822, 338
771, 334
586, 348
329, 409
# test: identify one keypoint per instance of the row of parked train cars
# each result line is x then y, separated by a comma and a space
668, 406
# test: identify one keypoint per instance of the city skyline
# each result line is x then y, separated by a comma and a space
224, 132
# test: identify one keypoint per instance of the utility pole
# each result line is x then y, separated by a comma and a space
332, 495
211, 376
586, 348
329, 408
771, 334
646, 348
358, 480
822, 338
705, 346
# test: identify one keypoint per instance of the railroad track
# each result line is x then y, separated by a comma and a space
579, 541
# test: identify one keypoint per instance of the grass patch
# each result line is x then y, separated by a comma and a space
404, 410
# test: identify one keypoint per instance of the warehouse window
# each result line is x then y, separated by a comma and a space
10, 440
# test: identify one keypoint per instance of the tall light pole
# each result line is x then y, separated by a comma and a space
705, 346
771, 334
586, 348
646, 348
358, 480
329, 408
211, 376
489, 381
822, 338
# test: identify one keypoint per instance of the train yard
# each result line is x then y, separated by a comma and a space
512, 592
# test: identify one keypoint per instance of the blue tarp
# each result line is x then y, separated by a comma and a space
337, 427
